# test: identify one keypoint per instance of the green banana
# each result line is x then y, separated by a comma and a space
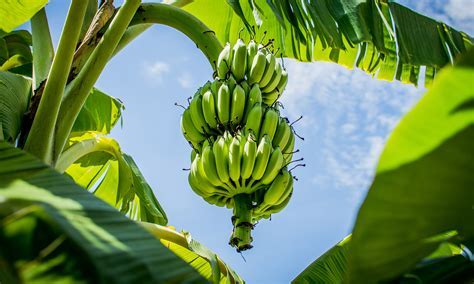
254, 119
239, 60
215, 85
245, 86
248, 157
275, 79
269, 70
198, 181
263, 154
204, 88
270, 98
238, 105
288, 152
273, 167
252, 49
209, 165
257, 69
282, 134
283, 81
276, 189
288, 189
269, 124
224, 62
221, 150
234, 159
188, 129
209, 109
254, 97
223, 104
197, 115
193, 155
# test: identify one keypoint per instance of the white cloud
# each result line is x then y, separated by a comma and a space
185, 80
157, 70
461, 10
350, 116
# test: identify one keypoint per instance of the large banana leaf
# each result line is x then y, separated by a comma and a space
53, 230
424, 183
447, 264
97, 163
15, 12
362, 33
14, 95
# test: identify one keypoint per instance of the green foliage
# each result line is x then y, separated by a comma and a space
349, 32
15, 52
14, 96
15, 13
51, 229
100, 113
97, 163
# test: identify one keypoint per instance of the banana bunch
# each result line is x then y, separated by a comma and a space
257, 65
241, 144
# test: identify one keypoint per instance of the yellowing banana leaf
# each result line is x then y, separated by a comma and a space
15, 12
52, 230
97, 163
423, 186
353, 33
14, 95
99, 113
207, 263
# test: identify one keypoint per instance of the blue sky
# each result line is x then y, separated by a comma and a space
347, 118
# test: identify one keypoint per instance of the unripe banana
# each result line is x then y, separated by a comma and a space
209, 165
274, 166
221, 151
245, 86
275, 79
215, 85
224, 62
248, 157
257, 69
238, 105
187, 127
234, 159
254, 119
282, 134
197, 181
252, 49
209, 109
269, 70
193, 155
231, 83
263, 154
223, 104
239, 60
204, 88
254, 97
197, 115
270, 98
276, 189
288, 189
269, 124
283, 81
288, 152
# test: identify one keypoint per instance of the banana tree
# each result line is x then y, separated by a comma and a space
54, 124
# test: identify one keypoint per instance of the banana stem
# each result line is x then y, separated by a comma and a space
40, 138
241, 237
79, 89
177, 18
